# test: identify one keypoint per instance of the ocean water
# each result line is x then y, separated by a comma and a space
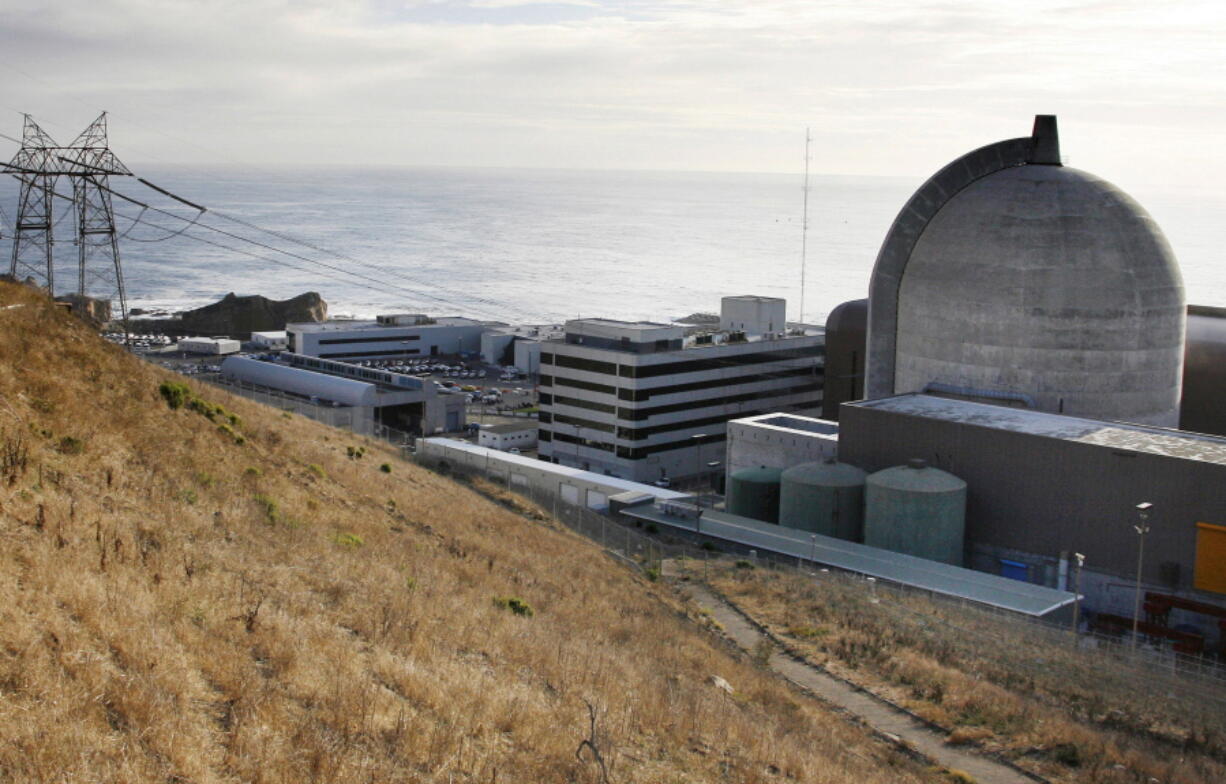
536, 245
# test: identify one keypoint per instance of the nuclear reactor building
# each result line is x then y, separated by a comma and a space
1011, 278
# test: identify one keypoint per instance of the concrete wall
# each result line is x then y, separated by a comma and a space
406, 341
846, 355
753, 315
751, 444
1044, 495
528, 356
1203, 407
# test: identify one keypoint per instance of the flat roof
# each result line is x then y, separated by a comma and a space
1146, 439
793, 422
604, 322
348, 326
510, 427
495, 455
753, 298
981, 587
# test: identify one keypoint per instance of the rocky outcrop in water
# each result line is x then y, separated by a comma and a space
240, 316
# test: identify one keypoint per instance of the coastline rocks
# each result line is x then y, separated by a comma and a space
235, 315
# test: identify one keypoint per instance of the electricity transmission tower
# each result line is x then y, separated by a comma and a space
88, 163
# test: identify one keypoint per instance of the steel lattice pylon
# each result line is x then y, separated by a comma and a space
88, 163
33, 244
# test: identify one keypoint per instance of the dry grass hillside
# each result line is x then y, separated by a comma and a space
205, 594
1002, 685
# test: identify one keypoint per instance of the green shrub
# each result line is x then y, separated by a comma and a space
71, 446
175, 394
251, 472
348, 540
744, 564
188, 496
515, 605
710, 547
386, 468
652, 573
272, 511
317, 470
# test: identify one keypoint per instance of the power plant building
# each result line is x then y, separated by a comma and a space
651, 402
1042, 486
395, 336
1009, 277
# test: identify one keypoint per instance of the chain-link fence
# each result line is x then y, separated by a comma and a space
1038, 650
1043, 650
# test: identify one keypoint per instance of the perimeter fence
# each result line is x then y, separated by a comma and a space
1048, 656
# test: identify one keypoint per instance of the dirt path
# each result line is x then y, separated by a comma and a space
877, 714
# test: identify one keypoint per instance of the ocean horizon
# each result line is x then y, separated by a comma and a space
534, 245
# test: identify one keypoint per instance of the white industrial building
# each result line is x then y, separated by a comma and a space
514, 435
779, 441
651, 402
396, 336
273, 341
213, 346
378, 398
570, 485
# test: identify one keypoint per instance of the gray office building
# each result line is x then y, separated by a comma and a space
648, 401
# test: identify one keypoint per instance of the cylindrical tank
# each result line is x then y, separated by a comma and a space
917, 510
846, 339
825, 498
754, 493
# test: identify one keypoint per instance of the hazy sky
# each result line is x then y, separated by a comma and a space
888, 87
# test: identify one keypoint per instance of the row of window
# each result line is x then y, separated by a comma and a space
641, 414
640, 395
394, 338
684, 366
635, 452
408, 352
641, 433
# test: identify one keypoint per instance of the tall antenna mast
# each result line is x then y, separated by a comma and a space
804, 230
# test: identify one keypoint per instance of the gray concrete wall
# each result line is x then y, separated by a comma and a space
750, 445
1046, 495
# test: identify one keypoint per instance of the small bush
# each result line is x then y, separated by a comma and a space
710, 547
269, 506
743, 564
251, 472
515, 605
348, 540
410, 584
71, 446
386, 468
807, 632
188, 497
317, 470
205, 479
286, 415
229, 431
175, 394
652, 573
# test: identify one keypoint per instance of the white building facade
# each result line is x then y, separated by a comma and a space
647, 402
398, 336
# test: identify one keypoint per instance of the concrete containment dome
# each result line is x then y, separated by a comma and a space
1010, 277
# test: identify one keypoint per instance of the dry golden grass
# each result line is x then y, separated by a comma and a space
995, 684
178, 607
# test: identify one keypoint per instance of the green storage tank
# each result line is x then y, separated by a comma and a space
824, 498
754, 493
917, 510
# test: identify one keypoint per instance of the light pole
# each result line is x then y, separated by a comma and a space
1142, 528
697, 437
1081, 559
